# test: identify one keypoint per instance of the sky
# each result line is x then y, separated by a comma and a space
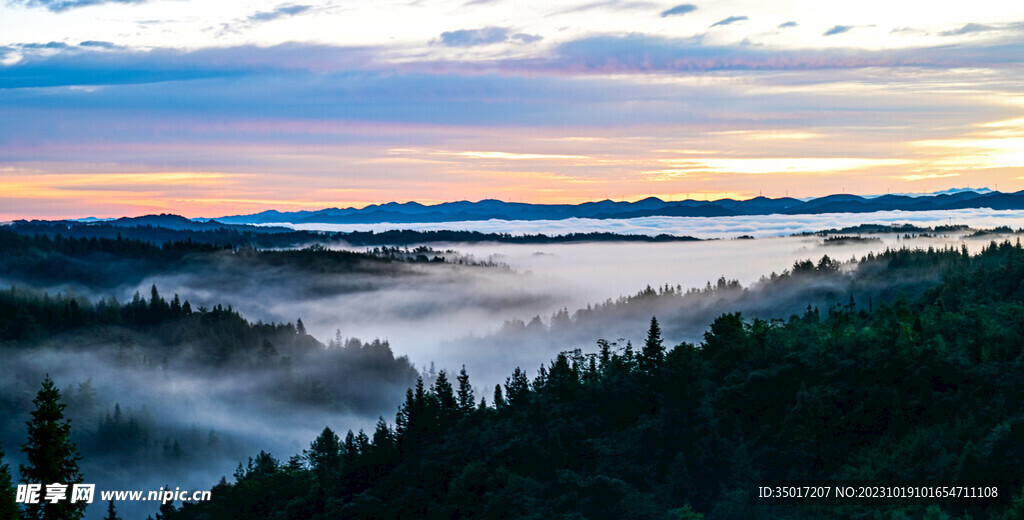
129, 107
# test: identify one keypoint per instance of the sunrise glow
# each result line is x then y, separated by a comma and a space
122, 107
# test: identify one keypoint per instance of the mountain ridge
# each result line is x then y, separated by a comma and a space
492, 209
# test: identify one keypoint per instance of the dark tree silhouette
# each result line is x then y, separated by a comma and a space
448, 407
111, 511
653, 354
167, 509
465, 392
324, 454
52, 456
8, 508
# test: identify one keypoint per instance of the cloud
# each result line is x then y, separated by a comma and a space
926, 176
98, 44
678, 10
286, 109
969, 29
526, 38
643, 54
729, 20
788, 24
50, 45
609, 4
474, 37
283, 11
484, 36
93, 64
97, 63
837, 29
713, 227
58, 6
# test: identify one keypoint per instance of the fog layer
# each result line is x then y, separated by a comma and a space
706, 227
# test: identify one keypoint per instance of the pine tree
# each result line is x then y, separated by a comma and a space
402, 417
447, 405
382, 447
653, 354
465, 392
111, 511
605, 349
166, 509
350, 451
324, 455
417, 417
382, 435
517, 387
52, 456
8, 508
499, 400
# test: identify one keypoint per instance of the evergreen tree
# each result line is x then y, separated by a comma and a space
166, 509
8, 508
653, 354
111, 511
382, 446
465, 392
447, 405
382, 435
324, 454
350, 451
604, 352
517, 387
499, 400
52, 456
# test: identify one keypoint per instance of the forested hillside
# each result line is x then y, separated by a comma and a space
172, 228
52, 258
141, 376
921, 391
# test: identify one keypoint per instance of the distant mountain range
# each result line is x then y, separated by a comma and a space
410, 212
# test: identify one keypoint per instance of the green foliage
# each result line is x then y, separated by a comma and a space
43, 254
8, 508
466, 402
111, 511
653, 354
52, 456
917, 390
324, 455
220, 235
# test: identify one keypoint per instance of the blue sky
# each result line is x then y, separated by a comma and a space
131, 107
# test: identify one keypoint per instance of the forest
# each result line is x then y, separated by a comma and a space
900, 367
147, 367
172, 228
924, 391
916, 390
107, 262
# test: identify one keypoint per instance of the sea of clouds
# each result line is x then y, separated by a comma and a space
759, 226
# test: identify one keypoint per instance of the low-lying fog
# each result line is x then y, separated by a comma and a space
423, 316
451, 315
704, 227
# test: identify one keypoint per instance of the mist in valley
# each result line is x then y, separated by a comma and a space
505, 306
758, 226
451, 315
